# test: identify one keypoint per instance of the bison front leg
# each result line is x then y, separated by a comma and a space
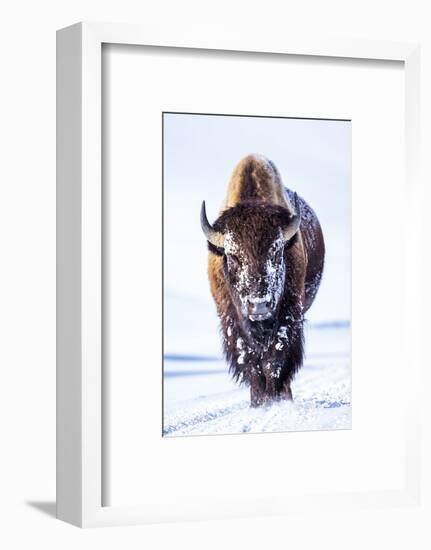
276, 386
257, 389
286, 391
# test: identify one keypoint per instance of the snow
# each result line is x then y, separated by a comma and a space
241, 358
201, 399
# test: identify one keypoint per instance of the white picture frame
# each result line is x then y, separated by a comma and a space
79, 267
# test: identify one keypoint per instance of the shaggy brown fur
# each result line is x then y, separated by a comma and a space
264, 354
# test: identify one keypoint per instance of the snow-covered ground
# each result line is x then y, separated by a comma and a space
201, 399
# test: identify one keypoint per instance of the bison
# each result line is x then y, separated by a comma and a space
265, 262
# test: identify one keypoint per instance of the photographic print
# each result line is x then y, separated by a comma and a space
256, 274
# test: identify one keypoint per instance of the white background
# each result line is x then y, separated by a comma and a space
27, 176
372, 95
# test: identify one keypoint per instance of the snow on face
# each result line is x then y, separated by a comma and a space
275, 269
269, 284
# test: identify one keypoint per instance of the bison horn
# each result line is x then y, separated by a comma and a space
294, 223
214, 237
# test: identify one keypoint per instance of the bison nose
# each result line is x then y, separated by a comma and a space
258, 309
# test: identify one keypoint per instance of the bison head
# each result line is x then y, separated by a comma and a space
252, 238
